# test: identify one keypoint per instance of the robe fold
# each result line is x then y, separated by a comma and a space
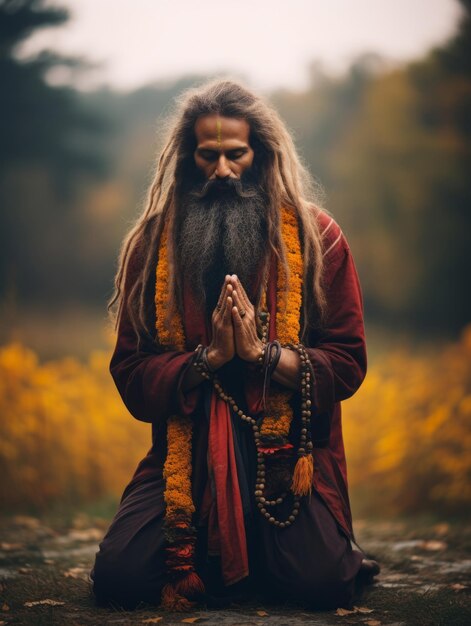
313, 557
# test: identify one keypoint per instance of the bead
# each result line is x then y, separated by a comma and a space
267, 515
296, 505
240, 412
277, 523
295, 512
260, 505
262, 501
282, 524
259, 493
279, 500
291, 518
271, 520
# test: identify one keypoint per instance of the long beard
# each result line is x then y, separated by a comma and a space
222, 230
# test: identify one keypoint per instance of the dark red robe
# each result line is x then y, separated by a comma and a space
311, 560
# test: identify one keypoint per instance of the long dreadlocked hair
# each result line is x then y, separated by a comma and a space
281, 175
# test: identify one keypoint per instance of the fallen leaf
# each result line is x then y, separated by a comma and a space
80, 573
89, 534
362, 609
372, 622
152, 620
458, 586
5, 607
343, 612
26, 521
47, 601
441, 529
433, 545
262, 613
4, 545
191, 620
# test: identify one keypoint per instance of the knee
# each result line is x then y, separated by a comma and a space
321, 588
122, 582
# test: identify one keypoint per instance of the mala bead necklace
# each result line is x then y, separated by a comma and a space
305, 443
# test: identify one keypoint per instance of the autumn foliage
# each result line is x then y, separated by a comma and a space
67, 437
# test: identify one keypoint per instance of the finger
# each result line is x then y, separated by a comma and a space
227, 310
240, 289
222, 294
237, 301
236, 318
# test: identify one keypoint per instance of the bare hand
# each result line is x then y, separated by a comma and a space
247, 343
222, 346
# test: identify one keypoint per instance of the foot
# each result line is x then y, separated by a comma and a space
368, 570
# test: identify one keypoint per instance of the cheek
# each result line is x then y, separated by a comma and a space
201, 165
247, 161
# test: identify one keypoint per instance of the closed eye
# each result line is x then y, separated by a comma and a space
208, 155
233, 155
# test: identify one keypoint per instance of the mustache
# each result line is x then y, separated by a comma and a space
221, 186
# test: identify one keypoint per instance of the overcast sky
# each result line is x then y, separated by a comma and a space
270, 42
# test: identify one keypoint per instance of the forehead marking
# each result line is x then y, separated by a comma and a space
219, 131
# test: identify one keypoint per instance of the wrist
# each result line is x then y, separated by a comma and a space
257, 355
215, 361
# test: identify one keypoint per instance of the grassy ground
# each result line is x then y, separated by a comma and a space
424, 579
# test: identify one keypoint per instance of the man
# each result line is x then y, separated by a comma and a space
240, 330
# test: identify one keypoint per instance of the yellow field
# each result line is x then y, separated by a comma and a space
66, 436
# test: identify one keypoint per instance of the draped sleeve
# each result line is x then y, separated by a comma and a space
338, 353
149, 381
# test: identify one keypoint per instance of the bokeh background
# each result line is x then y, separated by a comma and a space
378, 97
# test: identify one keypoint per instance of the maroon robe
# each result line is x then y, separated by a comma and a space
312, 560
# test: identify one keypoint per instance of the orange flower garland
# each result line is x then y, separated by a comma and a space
179, 506
277, 424
169, 329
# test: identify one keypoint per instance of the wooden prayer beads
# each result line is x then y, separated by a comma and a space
305, 442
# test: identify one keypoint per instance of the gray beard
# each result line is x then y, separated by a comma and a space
221, 232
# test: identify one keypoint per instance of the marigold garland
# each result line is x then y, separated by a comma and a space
276, 425
169, 328
179, 505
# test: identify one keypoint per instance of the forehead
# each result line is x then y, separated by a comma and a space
217, 128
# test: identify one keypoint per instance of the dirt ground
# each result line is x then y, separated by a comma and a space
425, 579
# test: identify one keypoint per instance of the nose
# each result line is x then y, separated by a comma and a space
222, 168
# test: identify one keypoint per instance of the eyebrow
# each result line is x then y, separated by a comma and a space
235, 149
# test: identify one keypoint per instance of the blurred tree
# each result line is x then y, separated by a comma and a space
393, 150
49, 145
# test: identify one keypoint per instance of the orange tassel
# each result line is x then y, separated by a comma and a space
302, 476
172, 601
190, 586
175, 596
